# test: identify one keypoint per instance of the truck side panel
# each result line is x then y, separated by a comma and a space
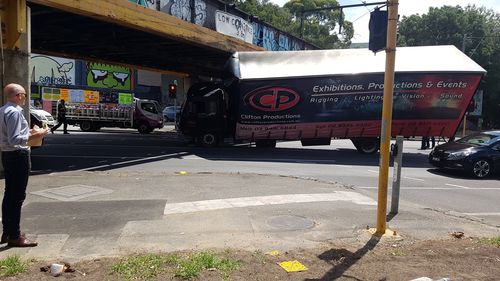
350, 106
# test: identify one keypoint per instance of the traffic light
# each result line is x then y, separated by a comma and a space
172, 91
378, 30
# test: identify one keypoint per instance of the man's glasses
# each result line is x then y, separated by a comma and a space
24, 94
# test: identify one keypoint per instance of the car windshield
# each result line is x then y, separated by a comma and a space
479, 139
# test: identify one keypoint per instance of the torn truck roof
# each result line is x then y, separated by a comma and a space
289, 64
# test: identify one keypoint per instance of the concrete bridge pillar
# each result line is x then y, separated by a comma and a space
15, 48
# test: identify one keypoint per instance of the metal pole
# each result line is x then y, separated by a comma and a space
396, 178
385, 135
464, 42
465, 124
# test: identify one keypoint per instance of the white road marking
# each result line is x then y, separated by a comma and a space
415, 188
373, 171
217, 204
434, 188
296, 160
344, 166
482, 214
455, 185
415, 179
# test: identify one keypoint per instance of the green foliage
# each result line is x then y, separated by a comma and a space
472, 29
399, 253
191, 266
148, 267
319, 28
143, 267
494, 241
12, 265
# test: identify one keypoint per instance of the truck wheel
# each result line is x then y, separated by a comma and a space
208, 140
86, 126
144, 128
265, 143
366, 145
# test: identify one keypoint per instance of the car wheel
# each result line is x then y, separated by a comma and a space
481, 168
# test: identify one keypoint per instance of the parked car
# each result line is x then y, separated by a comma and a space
477, 154
170, 113
39, 116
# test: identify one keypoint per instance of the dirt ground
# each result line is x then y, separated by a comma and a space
456, 259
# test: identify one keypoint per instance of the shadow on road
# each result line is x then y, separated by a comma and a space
104, 151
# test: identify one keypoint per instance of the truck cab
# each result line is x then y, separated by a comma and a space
147, 116
203, 115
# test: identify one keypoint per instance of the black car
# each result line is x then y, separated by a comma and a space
477, 154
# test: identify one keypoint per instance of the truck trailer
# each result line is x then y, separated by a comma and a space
143, 115
319, 95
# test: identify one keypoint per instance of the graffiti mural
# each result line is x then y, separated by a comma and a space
257, 33
272, 39
145, 3
182, 10
108, 76
234, 26
268, 39
283, 43
47, 70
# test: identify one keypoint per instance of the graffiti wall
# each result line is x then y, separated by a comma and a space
151, 4
47, 70
274, 40
181, 9
231, 25
102, 75
207, 13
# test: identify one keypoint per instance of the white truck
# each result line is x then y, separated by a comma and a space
143, 115
315, 96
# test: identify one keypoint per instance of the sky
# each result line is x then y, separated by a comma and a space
361, 15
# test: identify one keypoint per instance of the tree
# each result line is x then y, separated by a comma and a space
474, 30
318, 28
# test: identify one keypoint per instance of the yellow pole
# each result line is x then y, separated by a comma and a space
385, 135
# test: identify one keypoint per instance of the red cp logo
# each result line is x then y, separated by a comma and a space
273, 98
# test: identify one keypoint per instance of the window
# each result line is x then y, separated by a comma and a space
150, 107
479, 139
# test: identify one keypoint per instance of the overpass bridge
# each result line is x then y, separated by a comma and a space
125, 33
122, 32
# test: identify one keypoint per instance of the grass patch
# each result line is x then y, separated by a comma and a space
191, 266
494, 241
398, 253
143, 267
148, 267
12, 265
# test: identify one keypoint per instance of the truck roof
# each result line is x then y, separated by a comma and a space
289, 64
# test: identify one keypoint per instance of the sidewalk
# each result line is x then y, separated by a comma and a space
79, 216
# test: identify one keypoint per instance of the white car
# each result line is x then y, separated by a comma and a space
39, 116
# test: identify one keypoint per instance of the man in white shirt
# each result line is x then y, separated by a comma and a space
14, 137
